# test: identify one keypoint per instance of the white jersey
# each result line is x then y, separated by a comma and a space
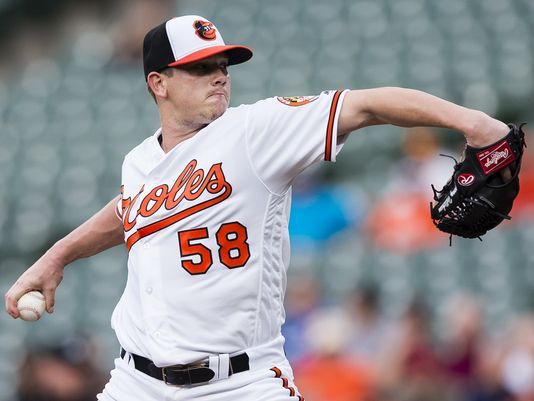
206, 226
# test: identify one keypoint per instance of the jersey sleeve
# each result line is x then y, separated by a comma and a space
287, 134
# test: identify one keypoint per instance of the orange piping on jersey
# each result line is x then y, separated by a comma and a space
285, 383
118, 210
330, 127
164, 223
124, 203
119, 216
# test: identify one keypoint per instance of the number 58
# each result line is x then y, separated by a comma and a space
233, 250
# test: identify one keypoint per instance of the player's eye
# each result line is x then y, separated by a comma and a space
201, 68
224, 68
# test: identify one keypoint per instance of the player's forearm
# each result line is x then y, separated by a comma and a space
410, 108
102, 231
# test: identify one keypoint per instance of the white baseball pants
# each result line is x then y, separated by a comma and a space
129, 384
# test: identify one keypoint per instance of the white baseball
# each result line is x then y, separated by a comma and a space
31, 306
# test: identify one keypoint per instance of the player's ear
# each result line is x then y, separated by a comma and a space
157, 84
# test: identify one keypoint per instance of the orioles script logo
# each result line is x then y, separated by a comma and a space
189, 186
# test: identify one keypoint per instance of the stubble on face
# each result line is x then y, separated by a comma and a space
218, 103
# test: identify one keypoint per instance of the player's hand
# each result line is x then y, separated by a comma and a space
44, 275
488, 132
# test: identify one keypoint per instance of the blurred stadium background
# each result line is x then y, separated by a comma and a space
73, 103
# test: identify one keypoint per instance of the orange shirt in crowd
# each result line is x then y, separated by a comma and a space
333, 379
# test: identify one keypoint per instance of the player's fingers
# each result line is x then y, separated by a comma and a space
11, 305
50, 299
11, 298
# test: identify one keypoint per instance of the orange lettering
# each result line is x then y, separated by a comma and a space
194, 183
146, 209
215, 179
190, 185
172, 201
128, 225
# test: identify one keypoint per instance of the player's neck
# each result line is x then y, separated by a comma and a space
175, 132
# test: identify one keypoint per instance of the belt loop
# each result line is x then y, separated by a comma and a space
220, 364
129, 360
224, 366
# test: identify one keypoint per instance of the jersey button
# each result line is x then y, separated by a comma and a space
149, 290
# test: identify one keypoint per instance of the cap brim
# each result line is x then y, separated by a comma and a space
236, 55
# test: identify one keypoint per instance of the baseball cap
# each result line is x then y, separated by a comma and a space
185, 39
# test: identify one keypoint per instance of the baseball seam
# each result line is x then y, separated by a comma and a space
30, 309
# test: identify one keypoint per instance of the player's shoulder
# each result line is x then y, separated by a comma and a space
275, 102
293, 102
234, 112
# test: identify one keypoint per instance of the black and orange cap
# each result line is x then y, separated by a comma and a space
185, 39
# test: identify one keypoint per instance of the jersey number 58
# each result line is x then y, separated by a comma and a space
233, 248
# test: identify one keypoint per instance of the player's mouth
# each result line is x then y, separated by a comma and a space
219, 93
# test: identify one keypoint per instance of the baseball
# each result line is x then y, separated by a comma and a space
31, 306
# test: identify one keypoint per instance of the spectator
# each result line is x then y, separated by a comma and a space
464, 342
130, 26
400, 220
329, 372
60, 373
302, 298
421, 164
411, 369
518, 362
471, 359
319, 211
369, 330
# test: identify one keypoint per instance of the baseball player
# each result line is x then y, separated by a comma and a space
203, 212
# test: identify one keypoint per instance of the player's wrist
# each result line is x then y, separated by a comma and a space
59, 254
482, 130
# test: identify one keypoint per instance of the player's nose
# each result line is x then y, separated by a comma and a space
220, 76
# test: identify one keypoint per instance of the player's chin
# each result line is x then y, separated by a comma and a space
217, 110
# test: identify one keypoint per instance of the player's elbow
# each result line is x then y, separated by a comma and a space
355, 113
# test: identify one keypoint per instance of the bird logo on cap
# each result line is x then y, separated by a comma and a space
204, 30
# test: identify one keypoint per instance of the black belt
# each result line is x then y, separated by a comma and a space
180, 375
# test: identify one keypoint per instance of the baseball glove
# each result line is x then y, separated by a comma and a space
481, 192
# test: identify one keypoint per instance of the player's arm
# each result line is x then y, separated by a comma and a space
102, 231
411, 108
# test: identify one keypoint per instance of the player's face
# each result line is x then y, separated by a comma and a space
201, 89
